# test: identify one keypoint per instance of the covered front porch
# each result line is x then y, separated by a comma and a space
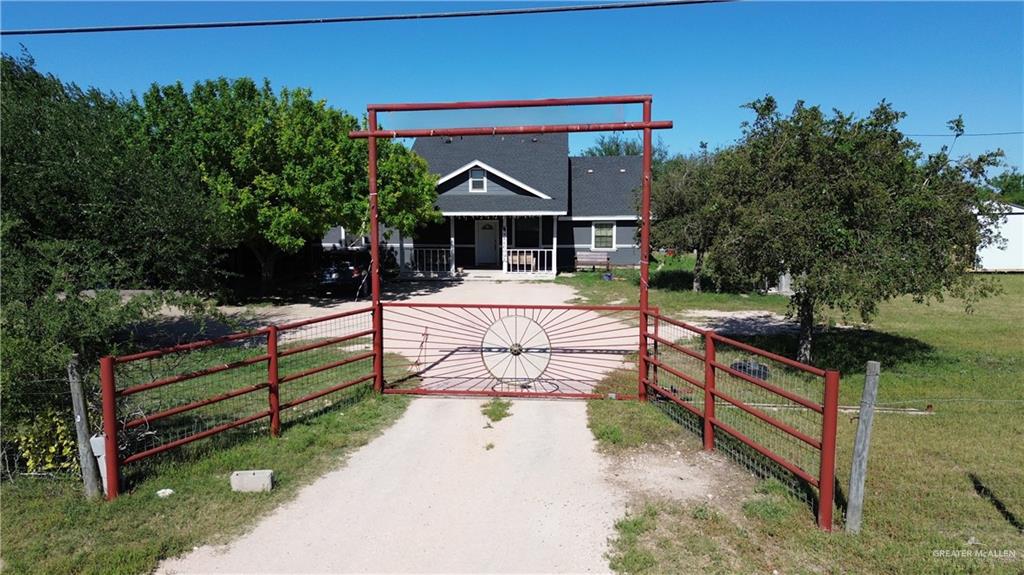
486, 246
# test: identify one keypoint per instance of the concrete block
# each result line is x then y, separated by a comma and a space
252, 480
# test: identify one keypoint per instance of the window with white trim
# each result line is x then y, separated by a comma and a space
602, 236
477, 180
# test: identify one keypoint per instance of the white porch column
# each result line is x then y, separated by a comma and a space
451, 245
504, 244
554, 245
401, 253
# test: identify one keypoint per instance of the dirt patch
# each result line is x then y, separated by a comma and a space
745, 322
684, 474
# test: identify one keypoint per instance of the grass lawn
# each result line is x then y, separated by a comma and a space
671, 279
937, 485
48, 527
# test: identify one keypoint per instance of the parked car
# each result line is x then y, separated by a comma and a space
343, 277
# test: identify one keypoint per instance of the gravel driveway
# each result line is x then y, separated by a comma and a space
429, 496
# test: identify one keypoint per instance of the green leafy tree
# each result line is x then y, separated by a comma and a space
853, 210
689, 208
281, 165
1009, 187
619, 144
86, 211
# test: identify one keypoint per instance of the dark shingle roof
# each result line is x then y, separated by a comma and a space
605, 185
537, 160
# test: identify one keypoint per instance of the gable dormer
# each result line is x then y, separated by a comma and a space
477, 177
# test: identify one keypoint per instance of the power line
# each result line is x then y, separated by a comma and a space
952, 135
350, 19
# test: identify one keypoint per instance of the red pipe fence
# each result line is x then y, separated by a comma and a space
782, 409
161, 399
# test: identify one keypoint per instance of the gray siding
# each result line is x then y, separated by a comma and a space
459, 186
333, 236
625, 234
625, 253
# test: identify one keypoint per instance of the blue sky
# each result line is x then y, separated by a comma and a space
933, 60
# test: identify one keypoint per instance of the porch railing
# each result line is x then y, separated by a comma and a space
427, 261
529, 260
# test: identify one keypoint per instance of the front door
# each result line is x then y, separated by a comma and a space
486, 242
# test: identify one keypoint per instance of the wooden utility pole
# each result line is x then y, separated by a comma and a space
859, 468
86, 460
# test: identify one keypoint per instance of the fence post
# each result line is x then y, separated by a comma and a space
641, 390
86, 460
378, 319
273, 382
645, 248
827, 471
859, 467
709, 388
110, 455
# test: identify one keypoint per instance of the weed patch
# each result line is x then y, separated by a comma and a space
497, 409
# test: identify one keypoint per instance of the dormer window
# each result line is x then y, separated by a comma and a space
477, 180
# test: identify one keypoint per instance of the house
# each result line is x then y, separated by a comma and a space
1008, 257
520, 206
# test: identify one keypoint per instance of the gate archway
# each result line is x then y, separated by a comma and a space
511, 350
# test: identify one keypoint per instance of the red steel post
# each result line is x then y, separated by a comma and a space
827, 471
274, 383
542, 102
110, 453
378, 319
709, 389
645, 248
504, 130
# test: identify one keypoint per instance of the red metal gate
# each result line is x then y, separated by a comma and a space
509, 350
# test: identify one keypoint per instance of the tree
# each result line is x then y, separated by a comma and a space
688, 207
87, 210
618, 144
281, 166
1009, 187
853, 210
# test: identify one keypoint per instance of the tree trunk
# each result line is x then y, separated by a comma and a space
805, 313
267, 260
698, 270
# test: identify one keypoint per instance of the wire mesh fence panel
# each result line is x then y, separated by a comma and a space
166, 398
170, 397
768, 412
678, 367
757, 384
506, 349
317, 359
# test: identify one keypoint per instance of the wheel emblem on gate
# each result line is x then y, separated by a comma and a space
516, 350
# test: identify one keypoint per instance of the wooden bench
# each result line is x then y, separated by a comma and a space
592, 260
